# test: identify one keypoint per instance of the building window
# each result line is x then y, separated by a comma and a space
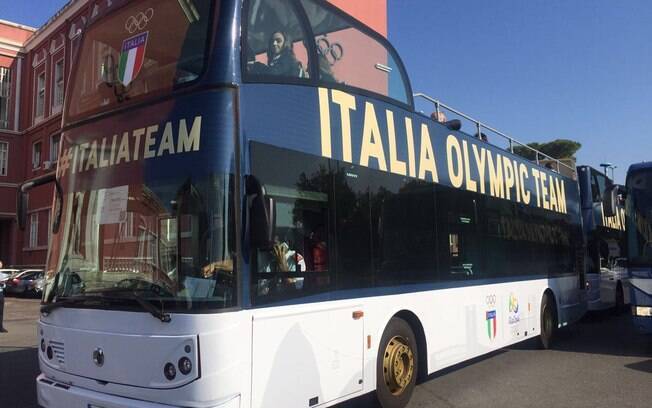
33, 230
5, 92
54, 147
40, 95
126, 226
36, 155
4, 158
58, 85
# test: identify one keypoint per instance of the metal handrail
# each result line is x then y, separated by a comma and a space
480, 126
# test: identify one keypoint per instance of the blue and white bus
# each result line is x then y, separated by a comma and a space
605, 262
639, 242
249, 212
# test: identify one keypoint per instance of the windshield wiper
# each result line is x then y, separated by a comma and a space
67, 301
102, 299
156, 312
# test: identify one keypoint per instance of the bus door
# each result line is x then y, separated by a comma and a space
306, 351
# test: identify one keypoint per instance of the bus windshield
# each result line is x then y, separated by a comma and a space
170, 242
639, 203
140, 50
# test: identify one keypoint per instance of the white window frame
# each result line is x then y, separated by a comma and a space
5, 93
58, 91
40, 97
4, 158
54, 153
33, 230
126, 226
36, 156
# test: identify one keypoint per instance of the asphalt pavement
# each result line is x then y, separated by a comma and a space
18, 356
600, 362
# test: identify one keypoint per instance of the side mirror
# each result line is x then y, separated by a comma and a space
21, 200
611, 199
261, 215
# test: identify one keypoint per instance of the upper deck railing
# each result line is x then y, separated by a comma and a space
539, 156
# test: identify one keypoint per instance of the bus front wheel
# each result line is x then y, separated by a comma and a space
548, 321
396, 366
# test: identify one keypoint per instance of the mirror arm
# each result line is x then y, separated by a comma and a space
21, 199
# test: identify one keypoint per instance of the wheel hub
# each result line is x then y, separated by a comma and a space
398, 365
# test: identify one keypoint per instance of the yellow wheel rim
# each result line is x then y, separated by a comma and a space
398, 365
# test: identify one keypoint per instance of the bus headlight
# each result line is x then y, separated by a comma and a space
185, 365
645, 311
169, 371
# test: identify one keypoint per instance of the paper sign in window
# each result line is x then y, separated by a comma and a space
113, 207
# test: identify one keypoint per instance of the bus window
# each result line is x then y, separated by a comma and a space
274, 41
349, 56
459, 234
353, 226
598, 185
403, 227
298, 261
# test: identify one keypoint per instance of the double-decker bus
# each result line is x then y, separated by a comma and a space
606, 272
638, 208
249, 212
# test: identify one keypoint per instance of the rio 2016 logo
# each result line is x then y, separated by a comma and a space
513, 309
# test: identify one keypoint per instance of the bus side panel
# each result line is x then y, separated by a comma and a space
641, 295
305, 358
461, 323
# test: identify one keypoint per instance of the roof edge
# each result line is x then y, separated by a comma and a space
46, 29
17, 25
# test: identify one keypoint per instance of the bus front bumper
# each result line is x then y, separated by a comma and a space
642, 317
52, 394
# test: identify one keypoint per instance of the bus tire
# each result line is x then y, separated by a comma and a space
548, 321
396, 365
620, 299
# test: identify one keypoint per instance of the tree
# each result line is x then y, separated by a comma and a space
558, 149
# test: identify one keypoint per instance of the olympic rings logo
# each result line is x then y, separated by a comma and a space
139, 21
490, 300
332, 52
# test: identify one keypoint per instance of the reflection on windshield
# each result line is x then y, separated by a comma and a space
143, 48
639, 217
164, 242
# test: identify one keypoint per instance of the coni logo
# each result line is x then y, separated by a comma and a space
513, 303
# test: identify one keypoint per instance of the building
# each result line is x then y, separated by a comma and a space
34, 69
34, 66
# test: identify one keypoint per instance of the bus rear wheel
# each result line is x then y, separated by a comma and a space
548, 321
396, 366
620, 299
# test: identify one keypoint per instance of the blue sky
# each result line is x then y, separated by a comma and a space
537, 69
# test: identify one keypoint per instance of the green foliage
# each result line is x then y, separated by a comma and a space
558, 149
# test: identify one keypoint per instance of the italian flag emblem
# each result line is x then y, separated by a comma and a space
491, 324
132, 57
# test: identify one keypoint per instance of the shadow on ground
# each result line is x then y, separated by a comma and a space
18, 371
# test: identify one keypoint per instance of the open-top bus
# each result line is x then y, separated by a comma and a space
249, 212
606, 271
638, 210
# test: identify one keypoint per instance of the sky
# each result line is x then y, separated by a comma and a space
537, 70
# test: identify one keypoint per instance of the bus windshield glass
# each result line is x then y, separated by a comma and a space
639, 230
140, 50
169, 242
